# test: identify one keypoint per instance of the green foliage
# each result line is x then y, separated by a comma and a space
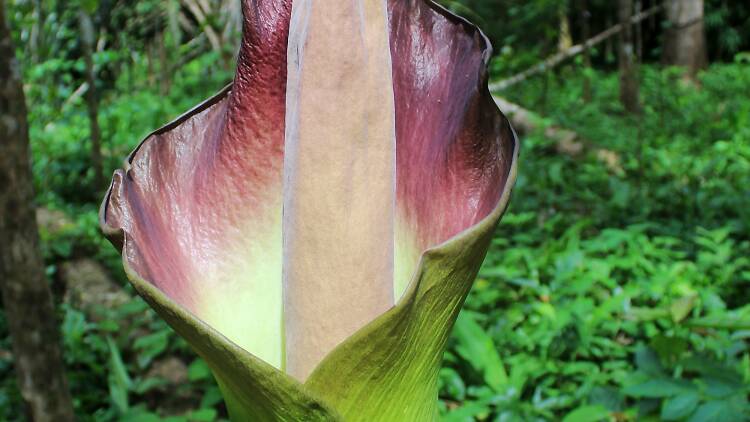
524, 32
728, 26
521, 31
111, 358
118, 352
621, 285
61, 167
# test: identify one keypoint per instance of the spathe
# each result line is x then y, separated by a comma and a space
198, 215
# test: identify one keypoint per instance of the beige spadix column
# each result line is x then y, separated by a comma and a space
339, 176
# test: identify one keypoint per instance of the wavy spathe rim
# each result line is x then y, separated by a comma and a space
265, 375
117, 234
215, 340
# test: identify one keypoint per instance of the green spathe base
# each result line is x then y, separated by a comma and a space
387, 371
253, 390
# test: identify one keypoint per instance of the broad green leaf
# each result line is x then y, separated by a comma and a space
714, 373
714, 411
119, 380
143, 386
648, 314
452, 383
139, 414
592, 413
733, 320
609, 397
468, 412
659, 387
151, 346
212, 397
720, 387
647, 361
479, 350
202, 415
198, 370
669, 348
682, 307
679, 407
89, 6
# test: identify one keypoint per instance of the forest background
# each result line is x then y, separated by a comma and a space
616, 288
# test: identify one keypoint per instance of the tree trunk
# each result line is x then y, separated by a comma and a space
27, 299
585, 34
150, 65
638, 28
609, 49
92, 102
567, 141
165, 80
555, 60
564, 38
685, 39
629, 89
36, 39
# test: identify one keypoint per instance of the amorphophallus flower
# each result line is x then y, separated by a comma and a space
314, 229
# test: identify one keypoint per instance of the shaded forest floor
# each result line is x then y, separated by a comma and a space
615, 289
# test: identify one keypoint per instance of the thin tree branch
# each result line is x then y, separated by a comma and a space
577, 49
200, 16
567, 141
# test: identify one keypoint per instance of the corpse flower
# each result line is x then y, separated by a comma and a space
313, 230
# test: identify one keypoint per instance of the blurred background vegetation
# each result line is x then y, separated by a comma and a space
617, 285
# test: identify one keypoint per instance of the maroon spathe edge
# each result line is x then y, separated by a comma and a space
454, 147
190, 182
